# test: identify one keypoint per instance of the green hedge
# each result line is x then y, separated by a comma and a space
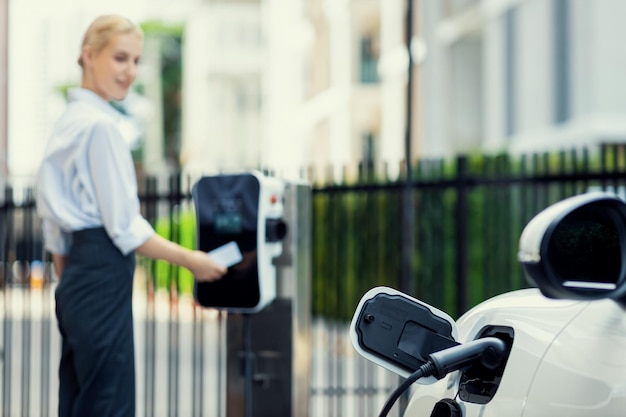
180, 229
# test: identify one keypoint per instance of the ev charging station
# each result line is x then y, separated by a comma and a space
259, 227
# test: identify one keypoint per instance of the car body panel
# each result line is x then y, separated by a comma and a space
568, 359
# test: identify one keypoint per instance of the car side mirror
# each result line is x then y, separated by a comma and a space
575, 249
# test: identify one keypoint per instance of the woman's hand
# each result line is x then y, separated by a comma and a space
199, 263
204, 268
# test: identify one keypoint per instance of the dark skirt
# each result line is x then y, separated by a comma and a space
94, 313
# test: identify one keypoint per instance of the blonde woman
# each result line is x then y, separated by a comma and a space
87, 199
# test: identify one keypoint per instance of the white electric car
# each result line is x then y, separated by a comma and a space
555, 350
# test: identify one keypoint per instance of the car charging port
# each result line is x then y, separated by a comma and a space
480, 381
488, 350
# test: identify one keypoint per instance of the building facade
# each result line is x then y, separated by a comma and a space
294, 84
522, 75
4, 86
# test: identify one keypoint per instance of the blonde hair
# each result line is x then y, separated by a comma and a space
103, 29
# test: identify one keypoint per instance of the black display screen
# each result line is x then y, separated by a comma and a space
227, 211
228, 223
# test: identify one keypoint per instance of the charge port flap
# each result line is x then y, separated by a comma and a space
398, 332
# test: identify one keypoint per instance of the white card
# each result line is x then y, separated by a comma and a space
227, 255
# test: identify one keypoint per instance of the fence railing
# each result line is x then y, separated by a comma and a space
178, 355
180, 348
468, 214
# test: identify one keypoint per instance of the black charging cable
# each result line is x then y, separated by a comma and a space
422, 371
489, 350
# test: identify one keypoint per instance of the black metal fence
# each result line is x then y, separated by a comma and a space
468, 214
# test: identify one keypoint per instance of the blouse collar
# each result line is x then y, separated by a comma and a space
88, 96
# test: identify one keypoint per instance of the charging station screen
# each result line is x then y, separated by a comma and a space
227, 211
228, 223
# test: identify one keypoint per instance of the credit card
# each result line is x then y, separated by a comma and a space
227, 255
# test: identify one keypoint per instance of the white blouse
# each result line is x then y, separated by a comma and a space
87, 178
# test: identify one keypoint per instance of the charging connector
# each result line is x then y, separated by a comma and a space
489, 350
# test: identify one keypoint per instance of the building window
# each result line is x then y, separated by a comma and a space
561, 61
369, 147
369, 155
510, 22
369, 59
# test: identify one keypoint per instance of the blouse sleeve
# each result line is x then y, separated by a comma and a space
115, 186
55, 240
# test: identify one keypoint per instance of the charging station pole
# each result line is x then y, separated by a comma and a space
270, 375
259, 227
268, 353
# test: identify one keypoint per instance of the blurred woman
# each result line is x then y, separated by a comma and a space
87, 199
